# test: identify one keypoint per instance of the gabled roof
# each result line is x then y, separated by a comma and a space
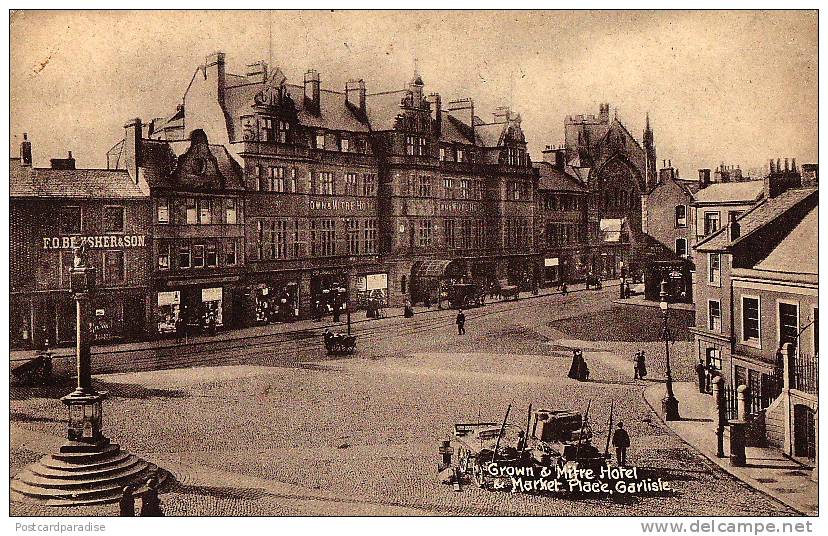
731, 192
25, 181
490, 135
760, 215
452, 130
799, 251
554, 180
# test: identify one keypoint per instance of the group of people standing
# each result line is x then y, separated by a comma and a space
705, 374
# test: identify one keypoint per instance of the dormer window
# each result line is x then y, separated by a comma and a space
461, 155
345, 145
320, 140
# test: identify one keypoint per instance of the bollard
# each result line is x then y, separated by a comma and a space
737, 443
720, 413
127, 502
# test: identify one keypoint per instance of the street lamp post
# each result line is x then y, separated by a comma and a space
669, 405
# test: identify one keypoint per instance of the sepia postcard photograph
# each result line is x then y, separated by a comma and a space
413, 262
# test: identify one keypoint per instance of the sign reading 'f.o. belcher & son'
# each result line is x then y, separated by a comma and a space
109, 241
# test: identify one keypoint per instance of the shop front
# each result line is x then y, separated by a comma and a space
551, 271
677, 274
430, 278
370, 290
328, 292
197, 308
276, 300
521, 272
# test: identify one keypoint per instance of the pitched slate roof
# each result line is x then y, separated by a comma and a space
453, 130
762, 214
798, 252
333, 113
490, 135
25, 181
383, 108
729, 192
555, 180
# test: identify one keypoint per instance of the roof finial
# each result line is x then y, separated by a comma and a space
417, 79
648, 121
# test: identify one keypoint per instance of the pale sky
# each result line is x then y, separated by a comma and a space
738, 87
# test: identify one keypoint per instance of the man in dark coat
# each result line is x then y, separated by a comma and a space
461, 323
640, 365
621, 442
701, 372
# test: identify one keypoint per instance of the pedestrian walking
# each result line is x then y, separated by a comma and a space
640, 365
701, 373
621, 442
408, 310
126, 504
461, 323
150, 503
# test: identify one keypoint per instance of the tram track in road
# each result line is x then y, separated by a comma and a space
292, 347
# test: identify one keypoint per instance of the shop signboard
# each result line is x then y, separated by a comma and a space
211, 294
94, 242
376, 281
551, 262
169, 298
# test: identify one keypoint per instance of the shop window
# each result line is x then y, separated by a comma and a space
163, 205
714, 316
192, 211
714, 269
370, 236
113, 267
230, 211
163, 256
184, 257
750, 319
351, 184
114, 219
369, 184
70, 220
198, 256
211, 256
231, 253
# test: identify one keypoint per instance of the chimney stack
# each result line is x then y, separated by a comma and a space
462, 110
436, 110
63, 163
25, 151
132, 148
704, 178
355, 94
312, 92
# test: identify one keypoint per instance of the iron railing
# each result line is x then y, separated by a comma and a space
806, 373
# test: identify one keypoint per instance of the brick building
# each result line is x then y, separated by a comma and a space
53, 210
560, 221
377, 193
197, 225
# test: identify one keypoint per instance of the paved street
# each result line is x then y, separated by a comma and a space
273, 426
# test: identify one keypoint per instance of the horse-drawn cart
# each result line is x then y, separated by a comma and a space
339, 343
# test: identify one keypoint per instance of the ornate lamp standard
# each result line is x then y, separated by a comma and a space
669, 405
88, 468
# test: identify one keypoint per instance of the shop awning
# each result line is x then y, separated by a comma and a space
433, 268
